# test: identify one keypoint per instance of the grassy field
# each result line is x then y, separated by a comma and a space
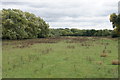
64, 57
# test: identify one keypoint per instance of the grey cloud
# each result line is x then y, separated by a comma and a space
80, 19
70, 13
119, 7
14, 3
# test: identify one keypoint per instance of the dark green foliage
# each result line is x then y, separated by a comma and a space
115, 19
17, 24
114, 34
78, 32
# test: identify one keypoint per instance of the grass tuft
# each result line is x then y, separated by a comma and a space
115, 62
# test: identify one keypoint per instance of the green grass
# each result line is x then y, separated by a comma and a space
68, 57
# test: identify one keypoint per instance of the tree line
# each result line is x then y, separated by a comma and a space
17, 24
78, 32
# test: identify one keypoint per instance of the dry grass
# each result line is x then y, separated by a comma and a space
115, 62
99, 62
104, 55
71, 47
90, 59
47, 50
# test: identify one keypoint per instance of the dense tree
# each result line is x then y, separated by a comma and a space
78, 32
115, 19
17, 24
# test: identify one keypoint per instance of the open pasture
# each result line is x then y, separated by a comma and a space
62, 57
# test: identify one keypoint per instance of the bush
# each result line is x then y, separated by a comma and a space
114, 34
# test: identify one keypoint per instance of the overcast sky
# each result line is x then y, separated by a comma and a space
82, 14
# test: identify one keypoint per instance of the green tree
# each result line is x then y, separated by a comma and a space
115, 19
17, 24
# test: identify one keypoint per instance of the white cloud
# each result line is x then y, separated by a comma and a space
82, 14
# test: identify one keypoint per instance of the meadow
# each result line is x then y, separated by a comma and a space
62, 57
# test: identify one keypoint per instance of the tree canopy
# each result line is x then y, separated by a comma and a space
115, 19
78, 32
17, 24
